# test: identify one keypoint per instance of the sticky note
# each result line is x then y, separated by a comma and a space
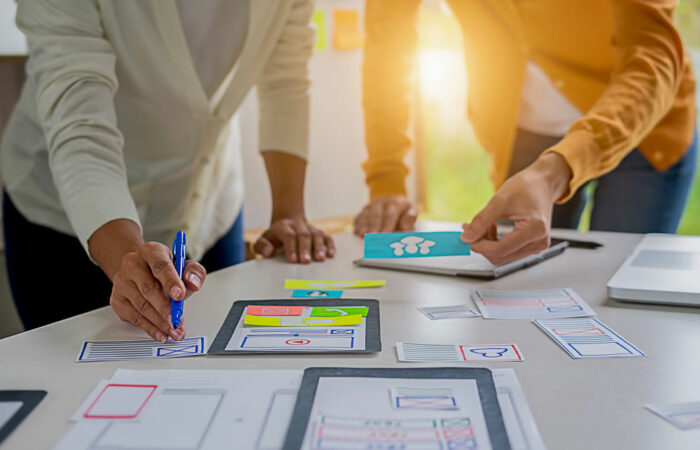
332, 284
319, 21
346, 30
316, 293
265, 310
261, 321
322, 311
415, 244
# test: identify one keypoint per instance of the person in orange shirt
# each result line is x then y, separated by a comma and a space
560, 93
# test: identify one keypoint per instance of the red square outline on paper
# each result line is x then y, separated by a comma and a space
464, 356
87, 414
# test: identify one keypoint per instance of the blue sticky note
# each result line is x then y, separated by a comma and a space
414, 244
316, 293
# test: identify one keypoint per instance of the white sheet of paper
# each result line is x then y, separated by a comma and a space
7, 410
685, 416
543, 304
350, 412
522, 430
410, 352
141, 349
302, 339
448, 312
587, 338
252, 405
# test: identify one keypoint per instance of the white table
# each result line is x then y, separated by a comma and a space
578, 404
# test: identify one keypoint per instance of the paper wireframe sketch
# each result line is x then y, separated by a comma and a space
140, 349
588, 338
356, 412
414, 244
685, 416
448, 312
252, 405
410, 352
543, 304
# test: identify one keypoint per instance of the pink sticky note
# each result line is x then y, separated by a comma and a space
264, 310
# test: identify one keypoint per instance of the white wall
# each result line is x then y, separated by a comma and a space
11, 39
335, 181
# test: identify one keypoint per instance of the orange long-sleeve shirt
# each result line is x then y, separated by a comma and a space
622, 62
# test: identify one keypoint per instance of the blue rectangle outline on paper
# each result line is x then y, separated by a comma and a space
603, 354
352, 341
430, 235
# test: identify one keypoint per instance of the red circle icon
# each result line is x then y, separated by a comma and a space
297, 341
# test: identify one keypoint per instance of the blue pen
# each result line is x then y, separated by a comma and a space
179, 250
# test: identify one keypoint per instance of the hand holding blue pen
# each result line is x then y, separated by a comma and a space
179, 251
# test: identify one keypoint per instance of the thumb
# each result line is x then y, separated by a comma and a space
483, 222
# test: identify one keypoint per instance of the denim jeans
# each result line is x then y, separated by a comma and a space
634, 197
52, 278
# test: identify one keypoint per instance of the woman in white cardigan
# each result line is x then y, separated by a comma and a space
125, 132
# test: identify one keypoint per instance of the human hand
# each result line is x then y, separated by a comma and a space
385, 214
299, 240
144, 284
527, 199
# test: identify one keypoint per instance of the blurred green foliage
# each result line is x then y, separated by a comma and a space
458, 185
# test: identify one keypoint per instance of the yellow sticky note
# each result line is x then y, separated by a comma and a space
332, 284
261, 321
354, 319
319, 21
346, 30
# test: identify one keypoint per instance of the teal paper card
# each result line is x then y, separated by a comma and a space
414, 245
316, 293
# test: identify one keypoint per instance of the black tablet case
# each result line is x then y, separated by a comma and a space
29, 399
373, 343
484, 380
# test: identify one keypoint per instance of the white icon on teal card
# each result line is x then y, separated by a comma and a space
412, 245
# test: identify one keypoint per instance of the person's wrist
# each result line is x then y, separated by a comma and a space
109, 243
553, 168
286, 213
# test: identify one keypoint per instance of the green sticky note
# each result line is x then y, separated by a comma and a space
330, 311
319, 21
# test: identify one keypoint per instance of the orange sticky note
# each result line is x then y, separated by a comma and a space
265, 310
346, 30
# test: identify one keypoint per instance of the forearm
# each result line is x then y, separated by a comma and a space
113, 240
286, 174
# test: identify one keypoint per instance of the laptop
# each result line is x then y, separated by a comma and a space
474, 265
663, 268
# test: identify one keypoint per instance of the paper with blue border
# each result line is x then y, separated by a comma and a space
317, 293
587, 338
141, 349
415, 245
